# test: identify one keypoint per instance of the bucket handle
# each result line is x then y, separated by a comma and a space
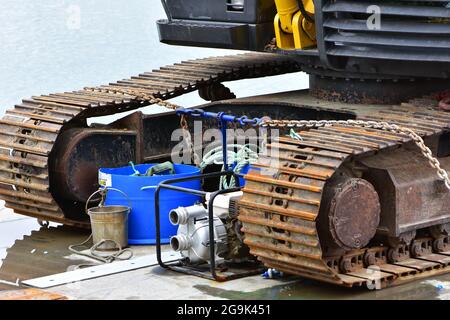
148, 187
106, 189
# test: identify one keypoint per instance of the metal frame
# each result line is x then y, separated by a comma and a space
253, 30
196, 270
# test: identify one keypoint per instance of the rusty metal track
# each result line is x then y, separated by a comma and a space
279, 213
280, 208
29, 131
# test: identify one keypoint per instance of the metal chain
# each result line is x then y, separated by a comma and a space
154, 100
188, 140
433, 161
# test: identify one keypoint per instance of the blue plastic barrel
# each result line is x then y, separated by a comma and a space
141, 224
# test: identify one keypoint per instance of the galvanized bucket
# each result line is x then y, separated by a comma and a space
109, 224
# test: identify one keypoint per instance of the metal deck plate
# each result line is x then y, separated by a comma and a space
99, 271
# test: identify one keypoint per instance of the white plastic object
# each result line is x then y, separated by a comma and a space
221, 205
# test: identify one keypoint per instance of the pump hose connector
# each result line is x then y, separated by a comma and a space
181, 215
180, 243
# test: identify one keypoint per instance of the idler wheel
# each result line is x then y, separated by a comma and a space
416, 250
399, 253
346, 265
441, 244
370, 259
393, 255
353, 214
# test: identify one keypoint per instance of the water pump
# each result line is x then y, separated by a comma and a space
192, 238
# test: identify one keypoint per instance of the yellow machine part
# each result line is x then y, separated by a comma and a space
292, 29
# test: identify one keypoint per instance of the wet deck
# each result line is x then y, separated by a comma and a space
29, 251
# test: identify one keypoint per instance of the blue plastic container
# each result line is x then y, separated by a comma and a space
141, 224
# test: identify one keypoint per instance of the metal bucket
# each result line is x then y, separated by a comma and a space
109, 224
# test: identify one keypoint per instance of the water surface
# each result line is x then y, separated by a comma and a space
58, 45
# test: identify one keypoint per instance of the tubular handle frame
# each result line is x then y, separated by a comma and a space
167, 184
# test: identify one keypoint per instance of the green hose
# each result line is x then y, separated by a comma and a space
244, 155
154, 170
295, 135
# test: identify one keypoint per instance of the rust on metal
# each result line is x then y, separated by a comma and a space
353, 208
30, 294
351, 203
31, 132
280, 212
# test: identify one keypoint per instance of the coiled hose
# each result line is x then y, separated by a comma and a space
239, 156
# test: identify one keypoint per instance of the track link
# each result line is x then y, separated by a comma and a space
278, 212
29, 131
279, 208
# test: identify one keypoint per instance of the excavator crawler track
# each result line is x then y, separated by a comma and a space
28, 132
279, 211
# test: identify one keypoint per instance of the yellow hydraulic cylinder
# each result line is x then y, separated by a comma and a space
292, 30
286, 10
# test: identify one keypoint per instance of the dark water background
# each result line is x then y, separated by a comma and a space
57, 45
